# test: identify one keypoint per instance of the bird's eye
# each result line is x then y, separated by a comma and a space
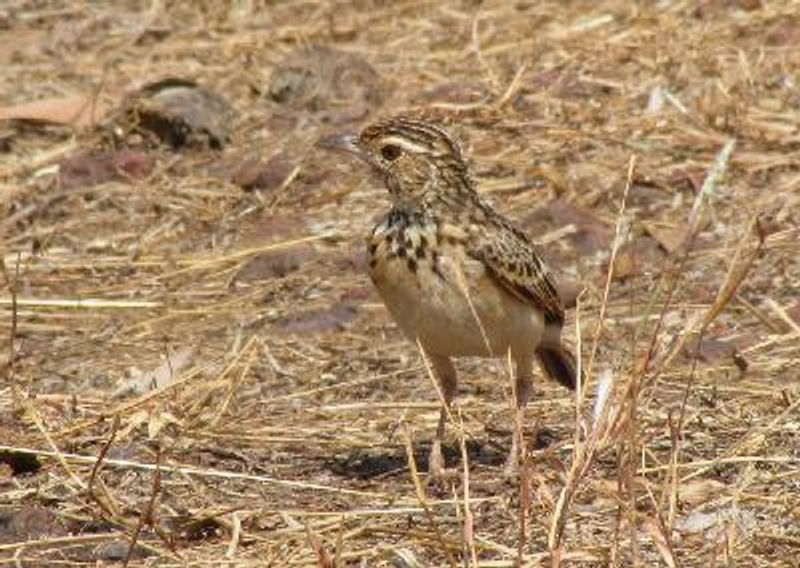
391, 152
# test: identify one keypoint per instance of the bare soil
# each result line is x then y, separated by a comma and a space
196, 370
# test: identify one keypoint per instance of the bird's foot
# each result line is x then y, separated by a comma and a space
437, 472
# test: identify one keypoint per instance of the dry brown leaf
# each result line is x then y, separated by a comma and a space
28, 523
654, 531
333, 318
670, 238
88, 168
79, 110
590, 236
19, 41
166, 372
698, 491
275, 263
269, 175
641, 254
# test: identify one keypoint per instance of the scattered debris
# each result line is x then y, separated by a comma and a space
140, 382
321, 78
176, 112
323, 320
92, 167
275, 264
78, 111
267, 175
590, 235
29, 522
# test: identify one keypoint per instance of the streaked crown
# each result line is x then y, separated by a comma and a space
421, 163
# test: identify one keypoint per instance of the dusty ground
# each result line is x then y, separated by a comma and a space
194, 360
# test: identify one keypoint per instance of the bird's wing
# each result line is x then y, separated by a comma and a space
512, 259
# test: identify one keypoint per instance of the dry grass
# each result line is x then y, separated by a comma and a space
220, 422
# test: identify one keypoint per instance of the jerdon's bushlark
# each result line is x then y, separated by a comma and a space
458, 277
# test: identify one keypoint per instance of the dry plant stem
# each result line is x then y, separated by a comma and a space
549, 97
250, 349
146, 516
697, 218
33, 413
236, 536
671, 485
625, 421
522, 460
422, 500
737, 273
618, 235
340, 554
750, 439
105, 502
60, 541
628, 453
83, 303
512, 86
11, 283
584, 450
126, 407
324, 559
469, 520
195, 471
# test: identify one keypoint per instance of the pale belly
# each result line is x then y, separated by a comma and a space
457, 309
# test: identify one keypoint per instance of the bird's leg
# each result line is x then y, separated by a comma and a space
445, 375
523, 388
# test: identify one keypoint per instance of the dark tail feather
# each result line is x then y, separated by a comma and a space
558, 364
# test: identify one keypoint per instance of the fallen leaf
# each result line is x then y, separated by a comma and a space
20, 42
624, 265
275, 264
783, 33
698, 491
688, 178
273, 228
670, 238
590, 236
92, 167
654, 531
696, 521
269, 175
642, 253
333, 318
79, 111
794, 312
28, 523
117, 551
716, 521
710, 350
140, 382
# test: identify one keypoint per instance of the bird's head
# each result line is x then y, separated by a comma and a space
420, 162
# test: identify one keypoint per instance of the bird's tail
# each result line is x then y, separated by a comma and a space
558, 364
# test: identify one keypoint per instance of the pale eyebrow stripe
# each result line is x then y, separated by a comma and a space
405, 143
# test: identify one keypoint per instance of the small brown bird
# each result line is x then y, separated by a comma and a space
457, 276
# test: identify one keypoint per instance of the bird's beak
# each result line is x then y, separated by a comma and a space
347, 143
